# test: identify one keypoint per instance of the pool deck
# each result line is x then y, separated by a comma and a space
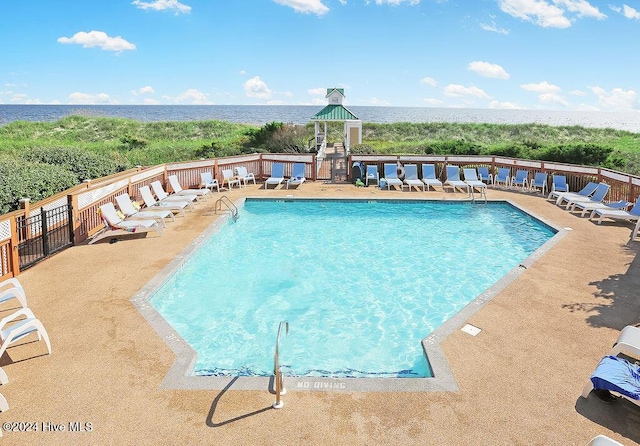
519, 381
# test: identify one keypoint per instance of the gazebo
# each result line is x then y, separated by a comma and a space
335, 111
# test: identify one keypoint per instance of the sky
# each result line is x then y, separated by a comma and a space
503, 54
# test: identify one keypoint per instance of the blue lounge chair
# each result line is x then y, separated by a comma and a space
473, 182
277, 175
586, 191
411, 177
597, 197
586, 206
372, 174
617, 214
453, 179
429, 176
521, 179
539, 182
297, 176
483, 173
559, 183
502, 177
618, 376
391, 175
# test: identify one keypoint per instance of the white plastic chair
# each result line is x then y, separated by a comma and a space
209, 182
539, 182
429, 176
277, 175
179, 190
152, 203
502, 177
126, 207
229, 179
411, 177
521, 179
297, 176
12, 289
12, 330
372, 174
244, 175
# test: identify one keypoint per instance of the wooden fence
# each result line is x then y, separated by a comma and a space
85, 199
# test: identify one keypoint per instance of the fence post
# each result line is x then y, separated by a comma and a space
25, 205
260, 169
75, 223
13, 246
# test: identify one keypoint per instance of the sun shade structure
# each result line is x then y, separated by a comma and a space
335, 111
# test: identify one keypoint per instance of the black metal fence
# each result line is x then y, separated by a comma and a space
44, 234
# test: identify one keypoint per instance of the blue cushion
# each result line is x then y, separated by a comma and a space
618, 375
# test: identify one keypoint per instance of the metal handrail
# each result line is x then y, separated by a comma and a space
229, 205
279, 380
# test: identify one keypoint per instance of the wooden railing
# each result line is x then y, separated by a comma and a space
86, 198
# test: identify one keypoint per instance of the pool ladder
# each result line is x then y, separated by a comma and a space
278, 379
224, 200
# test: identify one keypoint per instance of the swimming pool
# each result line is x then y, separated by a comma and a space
360, 282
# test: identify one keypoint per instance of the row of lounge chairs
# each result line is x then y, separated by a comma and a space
17, 326
277, 176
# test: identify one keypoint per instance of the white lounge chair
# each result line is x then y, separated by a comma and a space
277, 175
628, 342
164, 196
12, 289
453, 179
521, 179
539, 182
586, 191
617, 214
372, 174
472, 180
179, 190
245, 176
391, 176
230, 179
597, 197
173, 206
130, 213
411, 177
429, 176
115, 226
208, 181
4, 406
502, 177
485, 175
603, 440
13, 329
586, 206
297, 175
617, 376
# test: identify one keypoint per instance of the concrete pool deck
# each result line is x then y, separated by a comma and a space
519, 381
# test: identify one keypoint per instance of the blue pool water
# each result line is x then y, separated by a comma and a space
360, 282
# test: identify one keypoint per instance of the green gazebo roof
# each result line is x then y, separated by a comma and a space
334, 112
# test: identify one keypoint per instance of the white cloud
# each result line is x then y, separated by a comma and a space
630, 12
618, 99
256, 88
429, 81
487, 69
317, 91
144, 90
550, 15
99, 39
161, 5
85, 98
504, 105
394, 2
190, 97
552, 98
493, 28
457, 91
305, 6
541, 87
242, 72
582, 8
577, 93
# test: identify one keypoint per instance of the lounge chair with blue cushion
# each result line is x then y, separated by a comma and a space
502, 177
277, 175
628, 342
391, 175
131, 213
617, 214
539, 182
588, 206
13, 329
429, 176
617, 376
244, 175
207, 180
372, 174
115, 226
152, 203
521, 179
180, 191
12, 289
586, 191
297, 175
453, 179
597, 197
411, 177
472, 180
485, 175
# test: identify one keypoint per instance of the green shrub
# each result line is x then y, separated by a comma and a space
84, 164
579, 153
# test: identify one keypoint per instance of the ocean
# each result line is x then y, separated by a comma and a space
301, 114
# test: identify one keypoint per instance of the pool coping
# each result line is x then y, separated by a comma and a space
179, 375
